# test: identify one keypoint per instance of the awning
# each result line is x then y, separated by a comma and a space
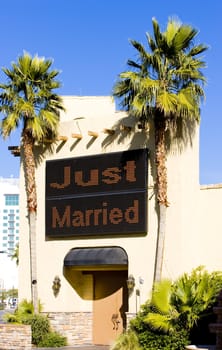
96, 256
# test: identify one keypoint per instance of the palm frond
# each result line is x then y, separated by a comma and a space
157, 33
166, 78
184, 37
9, 124
167, 102
161, 296
126, 341
171, 31
159, 322
29, 98
197, 50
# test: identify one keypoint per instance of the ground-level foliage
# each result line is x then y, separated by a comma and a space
42, 334
177, 314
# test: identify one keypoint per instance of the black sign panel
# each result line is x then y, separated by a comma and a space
97, 195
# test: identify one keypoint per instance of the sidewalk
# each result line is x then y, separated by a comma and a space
79, 347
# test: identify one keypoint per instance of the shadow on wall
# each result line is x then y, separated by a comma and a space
83, 282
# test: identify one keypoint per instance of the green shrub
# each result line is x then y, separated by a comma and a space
194, 295
151, 340
42, 336
24, 311
9, 317
127, 341
200, 333
40, 327
22, 314
163, 315
52, 339
179, 311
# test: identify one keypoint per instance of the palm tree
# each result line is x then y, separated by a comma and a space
195, 294
164, 87
163, 314
181, 304
27, 99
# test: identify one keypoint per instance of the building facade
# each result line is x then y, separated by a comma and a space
9, 230
97, 221
9, 214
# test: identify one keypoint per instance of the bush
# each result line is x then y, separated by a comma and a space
52, 339
194, 295
179, 313
127, 341
22, 314
151, 339
42, 336
200, 333
40, 327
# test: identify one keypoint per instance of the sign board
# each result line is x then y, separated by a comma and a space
95, 195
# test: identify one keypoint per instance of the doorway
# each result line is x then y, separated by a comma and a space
110, 304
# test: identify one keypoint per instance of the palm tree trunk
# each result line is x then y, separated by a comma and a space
161, 183
160, 243
29, 171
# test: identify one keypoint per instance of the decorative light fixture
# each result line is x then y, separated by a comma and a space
56, 285
130, 283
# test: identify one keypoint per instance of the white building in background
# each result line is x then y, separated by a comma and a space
8, 273
9, 231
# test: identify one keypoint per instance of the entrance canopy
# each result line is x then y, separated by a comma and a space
86, 258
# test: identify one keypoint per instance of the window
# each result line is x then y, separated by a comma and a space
11, 199
5, 211
5, 231
5, 218
4, 238
5, 224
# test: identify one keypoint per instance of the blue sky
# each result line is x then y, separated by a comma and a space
89, 43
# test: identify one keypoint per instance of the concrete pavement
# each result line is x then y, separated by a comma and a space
79, 347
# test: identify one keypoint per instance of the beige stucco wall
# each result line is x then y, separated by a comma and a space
188, 227
210, 226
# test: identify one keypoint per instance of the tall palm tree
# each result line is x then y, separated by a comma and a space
27, 99
164, 87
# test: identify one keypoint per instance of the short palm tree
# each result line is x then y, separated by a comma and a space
195, 294
163, 314
181, 304
164, 87
27, 99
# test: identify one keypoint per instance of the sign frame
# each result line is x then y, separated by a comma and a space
97, 195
